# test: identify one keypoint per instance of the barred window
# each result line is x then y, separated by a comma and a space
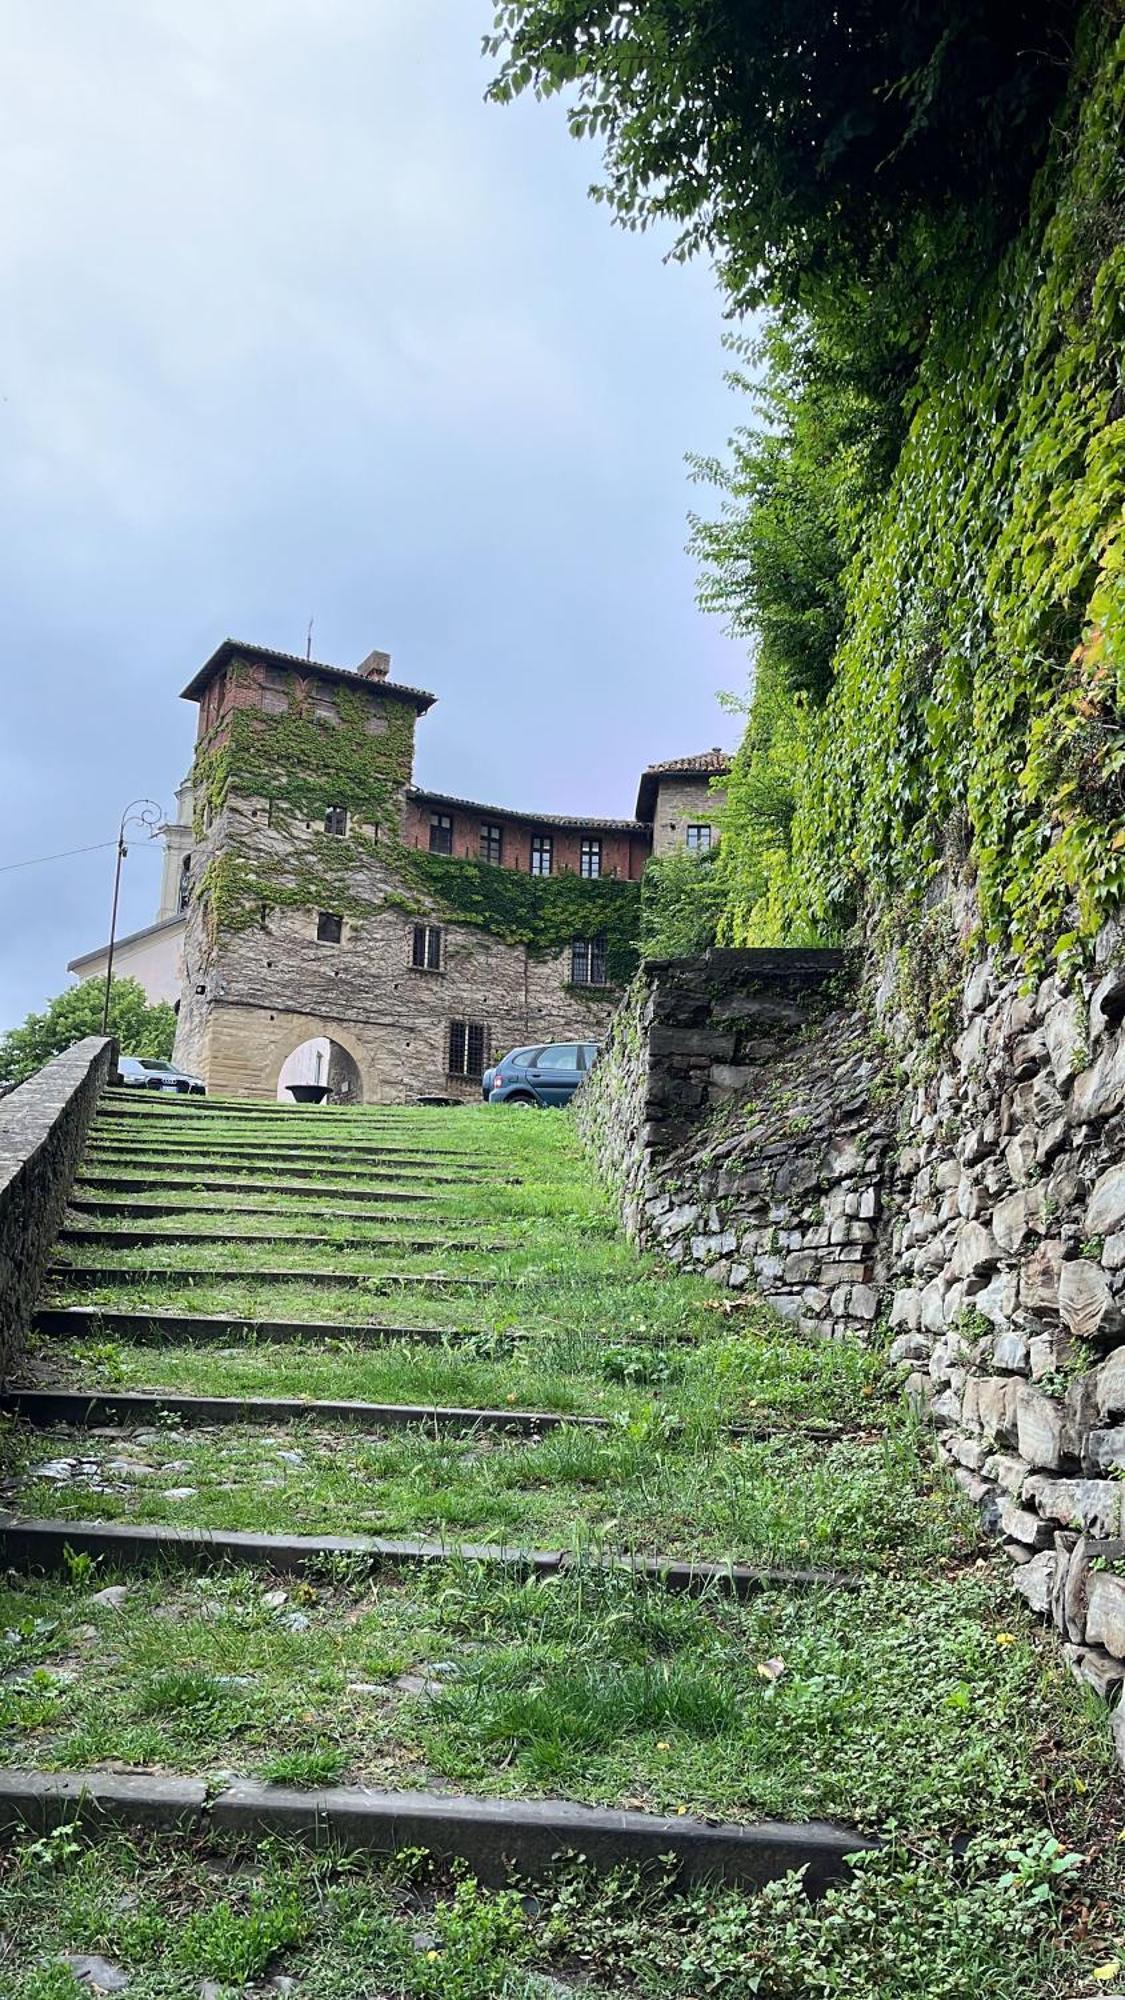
590, 861
468, 1048
329, 927
441, 833
588, 962
699, 837
184, 897
426, 948
336, 819
542, 853
492, 843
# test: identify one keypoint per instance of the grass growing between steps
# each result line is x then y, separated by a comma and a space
917, 1704
776, 1382
854, 1504
925, 1701
909, 1926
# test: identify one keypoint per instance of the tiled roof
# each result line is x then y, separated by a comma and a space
707, 760
530, 818
237, 649
713, 763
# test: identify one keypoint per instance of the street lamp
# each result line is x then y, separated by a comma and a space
142, 813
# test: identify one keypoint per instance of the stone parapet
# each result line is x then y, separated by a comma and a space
42, 1131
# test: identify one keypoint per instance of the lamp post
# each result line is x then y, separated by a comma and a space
139, 812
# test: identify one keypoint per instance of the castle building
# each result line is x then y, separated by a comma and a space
329, 901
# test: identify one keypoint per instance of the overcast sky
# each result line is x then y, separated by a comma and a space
294, 325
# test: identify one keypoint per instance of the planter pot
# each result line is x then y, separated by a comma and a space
307, 1093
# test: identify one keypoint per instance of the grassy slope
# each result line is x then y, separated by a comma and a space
926, 1701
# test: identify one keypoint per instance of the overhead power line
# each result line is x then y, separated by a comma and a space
38, 859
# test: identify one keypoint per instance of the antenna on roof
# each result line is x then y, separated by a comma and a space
308, 641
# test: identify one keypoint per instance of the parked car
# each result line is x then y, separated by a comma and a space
513, 1057
152, 1073
547, 1074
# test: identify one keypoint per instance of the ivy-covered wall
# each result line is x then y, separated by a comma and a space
975, 726
293, 766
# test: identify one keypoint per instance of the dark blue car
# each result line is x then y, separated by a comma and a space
548, 1073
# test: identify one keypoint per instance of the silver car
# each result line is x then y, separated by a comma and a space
153, 1073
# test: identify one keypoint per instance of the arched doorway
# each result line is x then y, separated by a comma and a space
320, 1064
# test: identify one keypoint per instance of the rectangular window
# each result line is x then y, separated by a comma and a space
336, 819
542, 853
325, 711
587, 962
329, 927
492, 844
441, 833
426, 948
468, 1048
590, 862
699, 837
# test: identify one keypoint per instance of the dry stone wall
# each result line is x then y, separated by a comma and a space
43, 1127
968, 1208
742, 1111
1008, 1251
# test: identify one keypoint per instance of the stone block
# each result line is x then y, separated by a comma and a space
1084, 1297
1100, 1090
1039, 1280
1092, 1667
1104, 1451
1035, 1581
1110, 1390
1014, 1219
1009, 1352
996, 1407
1105, 1210
1023, 1527
1105, 1613
1008, 1472
864, 1302
1039, 1427
691, 1042
1064, 1031
906, 1307
975, 1250
1091, 1505
946, 1408
908, 1347
733, 1077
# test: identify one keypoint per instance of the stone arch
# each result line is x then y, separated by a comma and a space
332, 1057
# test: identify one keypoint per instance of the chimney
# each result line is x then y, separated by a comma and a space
375, 667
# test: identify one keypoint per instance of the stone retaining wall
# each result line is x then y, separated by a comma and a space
741, 1112
1008, 1253
43, 1127
969, 1208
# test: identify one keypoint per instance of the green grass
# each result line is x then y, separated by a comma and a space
922, 1705
925, 1701
344, 1926
641, 1487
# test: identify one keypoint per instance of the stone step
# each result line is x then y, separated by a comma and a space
83, 1408
493, 1837
299, 1167
262, 1146
173, 1274
248, 1183
141, 1239
140, 1209
139, 1329
30, 1544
